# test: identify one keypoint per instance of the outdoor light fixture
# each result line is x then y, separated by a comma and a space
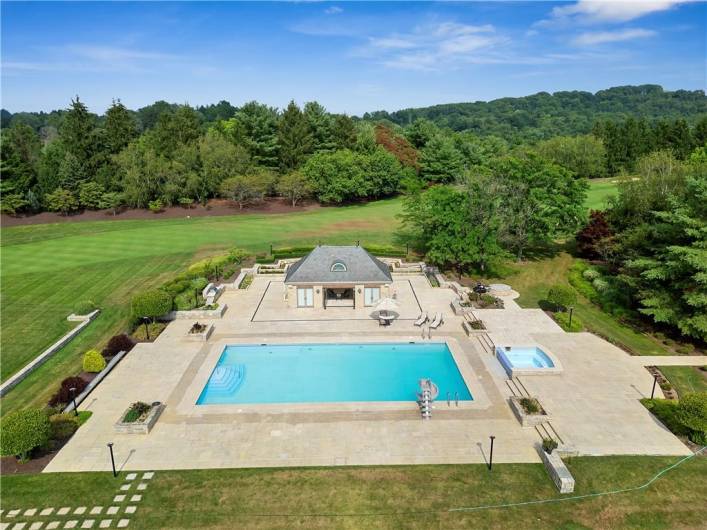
73, 399
112, 460
491, 453
655, 381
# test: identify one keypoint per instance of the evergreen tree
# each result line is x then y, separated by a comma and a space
120, 127
344, 132
294, 138
256, 127
20, 149
440, 161
320, 125
77, 135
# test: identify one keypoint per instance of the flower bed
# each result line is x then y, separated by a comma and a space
139, 418
528, 411
200, 332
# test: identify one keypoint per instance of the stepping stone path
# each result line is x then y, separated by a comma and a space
27, 519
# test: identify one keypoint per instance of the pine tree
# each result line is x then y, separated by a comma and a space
294, 138
440, 161
77, 134
344, 132
320, 126
120, 127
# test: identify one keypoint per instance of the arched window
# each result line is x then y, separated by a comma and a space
338, 267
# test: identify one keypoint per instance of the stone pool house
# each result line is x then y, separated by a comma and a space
337, 276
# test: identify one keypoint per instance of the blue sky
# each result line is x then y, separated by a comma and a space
351, 57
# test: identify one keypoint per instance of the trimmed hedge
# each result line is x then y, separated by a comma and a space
93, 362
22, 431
692, 414
385, 251
63, 426
562, 296
151, 304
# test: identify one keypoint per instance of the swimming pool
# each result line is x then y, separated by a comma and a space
320, 373
523, 359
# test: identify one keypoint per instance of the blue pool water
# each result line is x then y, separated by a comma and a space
312, 373
523, 357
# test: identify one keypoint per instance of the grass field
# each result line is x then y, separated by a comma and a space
391, 497
599, 192
685, 379
45, 269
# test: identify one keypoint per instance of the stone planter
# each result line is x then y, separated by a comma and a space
558, 471
525, 419
139, 427
202, 336
197, 313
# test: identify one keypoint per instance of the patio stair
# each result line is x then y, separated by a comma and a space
227, 378
546, 430
486, 342
517, 388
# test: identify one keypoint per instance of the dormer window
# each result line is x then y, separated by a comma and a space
338, 267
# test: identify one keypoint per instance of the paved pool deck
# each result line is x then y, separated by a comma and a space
593, 402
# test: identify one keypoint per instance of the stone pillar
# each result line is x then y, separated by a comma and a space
358, 296
291, 296
318, 294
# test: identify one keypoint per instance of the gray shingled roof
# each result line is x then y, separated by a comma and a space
361, 267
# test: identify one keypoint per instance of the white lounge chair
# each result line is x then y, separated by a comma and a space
421, 319
437, 322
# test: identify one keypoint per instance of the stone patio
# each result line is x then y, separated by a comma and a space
593, 403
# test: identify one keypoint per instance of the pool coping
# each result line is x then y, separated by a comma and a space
515, 372
187, 406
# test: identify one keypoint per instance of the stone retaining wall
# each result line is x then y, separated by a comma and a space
95, 381
197, 313
51, 350
558, 471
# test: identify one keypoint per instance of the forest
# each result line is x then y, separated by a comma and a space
166, 154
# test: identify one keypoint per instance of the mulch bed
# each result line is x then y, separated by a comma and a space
40, 459
214, 208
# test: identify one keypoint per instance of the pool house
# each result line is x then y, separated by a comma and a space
337, 276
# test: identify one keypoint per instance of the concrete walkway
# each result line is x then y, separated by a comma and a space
670, 360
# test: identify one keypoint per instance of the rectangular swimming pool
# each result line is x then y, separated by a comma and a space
321, 373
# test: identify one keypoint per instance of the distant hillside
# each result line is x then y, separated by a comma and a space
544, 115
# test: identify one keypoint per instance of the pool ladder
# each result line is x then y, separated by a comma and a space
456, 399
426, 404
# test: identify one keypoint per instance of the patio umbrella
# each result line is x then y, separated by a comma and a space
386, 304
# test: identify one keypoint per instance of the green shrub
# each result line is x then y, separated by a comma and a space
63, 426
563, 319
591, 274
386, 251
187, 300
151, 304
175, 287
84, 307
247, 280
549, 445
530, 405
155, 206
692, 414
562, 296
93, 361
22, 431
265, 259
666, 411
199, 283
135, 411
237, 255
600, 284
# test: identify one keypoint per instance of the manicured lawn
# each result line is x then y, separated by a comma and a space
391, 497
685, 379
534, 278
45, 269
599, 192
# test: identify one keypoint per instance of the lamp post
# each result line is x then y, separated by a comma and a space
491, 453
73, 399
147, 328
571, 311
112, 460
655, 381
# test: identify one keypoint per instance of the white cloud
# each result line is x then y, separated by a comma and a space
607, 11
432, 47
593, 38
333, 10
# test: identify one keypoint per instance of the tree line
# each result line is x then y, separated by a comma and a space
166, 154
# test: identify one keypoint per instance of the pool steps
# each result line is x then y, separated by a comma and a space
227, 378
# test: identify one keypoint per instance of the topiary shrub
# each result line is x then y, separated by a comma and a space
84, 307
116, 344
563, 319
562, 296
64, 395
22, 431
93, 362
151, 304
691, 412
